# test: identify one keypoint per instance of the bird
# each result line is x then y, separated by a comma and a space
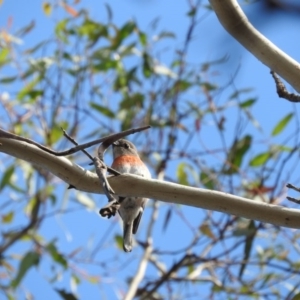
126, 160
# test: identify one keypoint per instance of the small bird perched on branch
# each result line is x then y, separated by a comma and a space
127, 160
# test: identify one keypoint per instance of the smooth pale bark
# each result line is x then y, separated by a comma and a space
130, 185
236, 23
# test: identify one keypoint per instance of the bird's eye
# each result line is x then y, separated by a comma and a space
126, 146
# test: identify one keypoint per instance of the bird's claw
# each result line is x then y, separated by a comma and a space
110, 209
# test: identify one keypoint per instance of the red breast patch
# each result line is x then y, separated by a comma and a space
126, 159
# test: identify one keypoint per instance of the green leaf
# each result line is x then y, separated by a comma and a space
282, 124
35, 48
105, 65
208, 86
181, 85
102, 109
248, 245
6, 177
31, 206
192, 12
143, 38
281, 148
123, 33
28, 72
119, 241
8, 79
127, 29
26, 29
127, 50
47, 8
239, 92
167, 218
65, 295
29, 260
53, 199
7, 218
4, 54
190, 269
93, 30
120, 82
236, 154
61, 30
259, 159
147, 65
93, 279
181, 174
135, 100
208, 180
206, 230
247, 103
165, 34
56, 256
56, 132
35, 93
27, 91
296, 297
102, 54
109, 11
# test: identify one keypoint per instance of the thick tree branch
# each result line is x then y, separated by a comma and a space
236, 23
131, 185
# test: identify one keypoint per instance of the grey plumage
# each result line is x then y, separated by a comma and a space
126, 160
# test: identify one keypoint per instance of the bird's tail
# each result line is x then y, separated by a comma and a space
127, 237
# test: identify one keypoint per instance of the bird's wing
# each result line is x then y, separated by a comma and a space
137, 220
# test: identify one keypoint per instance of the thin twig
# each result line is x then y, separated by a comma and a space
290, 186
75, 143
112, 171
293, 199
282, 91
18, 235
101, 170
113, 204
6, 134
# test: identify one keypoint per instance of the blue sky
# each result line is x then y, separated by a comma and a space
210, 42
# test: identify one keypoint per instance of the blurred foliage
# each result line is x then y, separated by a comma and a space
92, 78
